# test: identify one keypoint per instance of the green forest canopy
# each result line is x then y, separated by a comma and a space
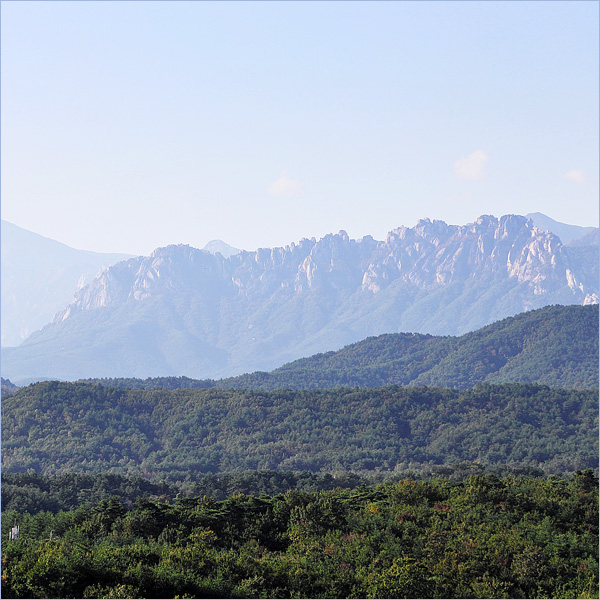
54, 427
485, 537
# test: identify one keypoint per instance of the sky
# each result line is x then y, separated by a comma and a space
132, 125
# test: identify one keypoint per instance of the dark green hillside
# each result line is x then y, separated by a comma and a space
56, 427
555, 346
154, 383
383, 360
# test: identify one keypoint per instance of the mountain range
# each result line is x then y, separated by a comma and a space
183, 311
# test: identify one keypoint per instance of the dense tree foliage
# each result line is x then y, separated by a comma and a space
486, 537
556, 346
32, 493
295, 493
154, 383
54, 427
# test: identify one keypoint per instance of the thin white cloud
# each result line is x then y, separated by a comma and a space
471, 167
284, 185
576, 175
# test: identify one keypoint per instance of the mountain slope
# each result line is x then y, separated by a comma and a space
555, 346
183, 311
592, 238
40, 277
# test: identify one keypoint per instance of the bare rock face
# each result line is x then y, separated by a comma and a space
434, 254
204, 315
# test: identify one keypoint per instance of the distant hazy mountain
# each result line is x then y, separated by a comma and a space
184, 311
592, 238
565, 232
221, 247
39, 277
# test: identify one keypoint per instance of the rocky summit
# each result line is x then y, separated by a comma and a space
183, 311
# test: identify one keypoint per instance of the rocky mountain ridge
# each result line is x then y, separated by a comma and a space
183, 311
429, 255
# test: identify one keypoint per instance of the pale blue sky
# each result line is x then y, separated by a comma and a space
132, 125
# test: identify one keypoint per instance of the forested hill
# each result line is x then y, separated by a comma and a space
54, 427
555, 346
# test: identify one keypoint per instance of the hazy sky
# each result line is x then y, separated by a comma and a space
132, 125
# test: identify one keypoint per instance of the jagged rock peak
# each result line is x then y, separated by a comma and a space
427, 226
426, 229
173, 249
430, 254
